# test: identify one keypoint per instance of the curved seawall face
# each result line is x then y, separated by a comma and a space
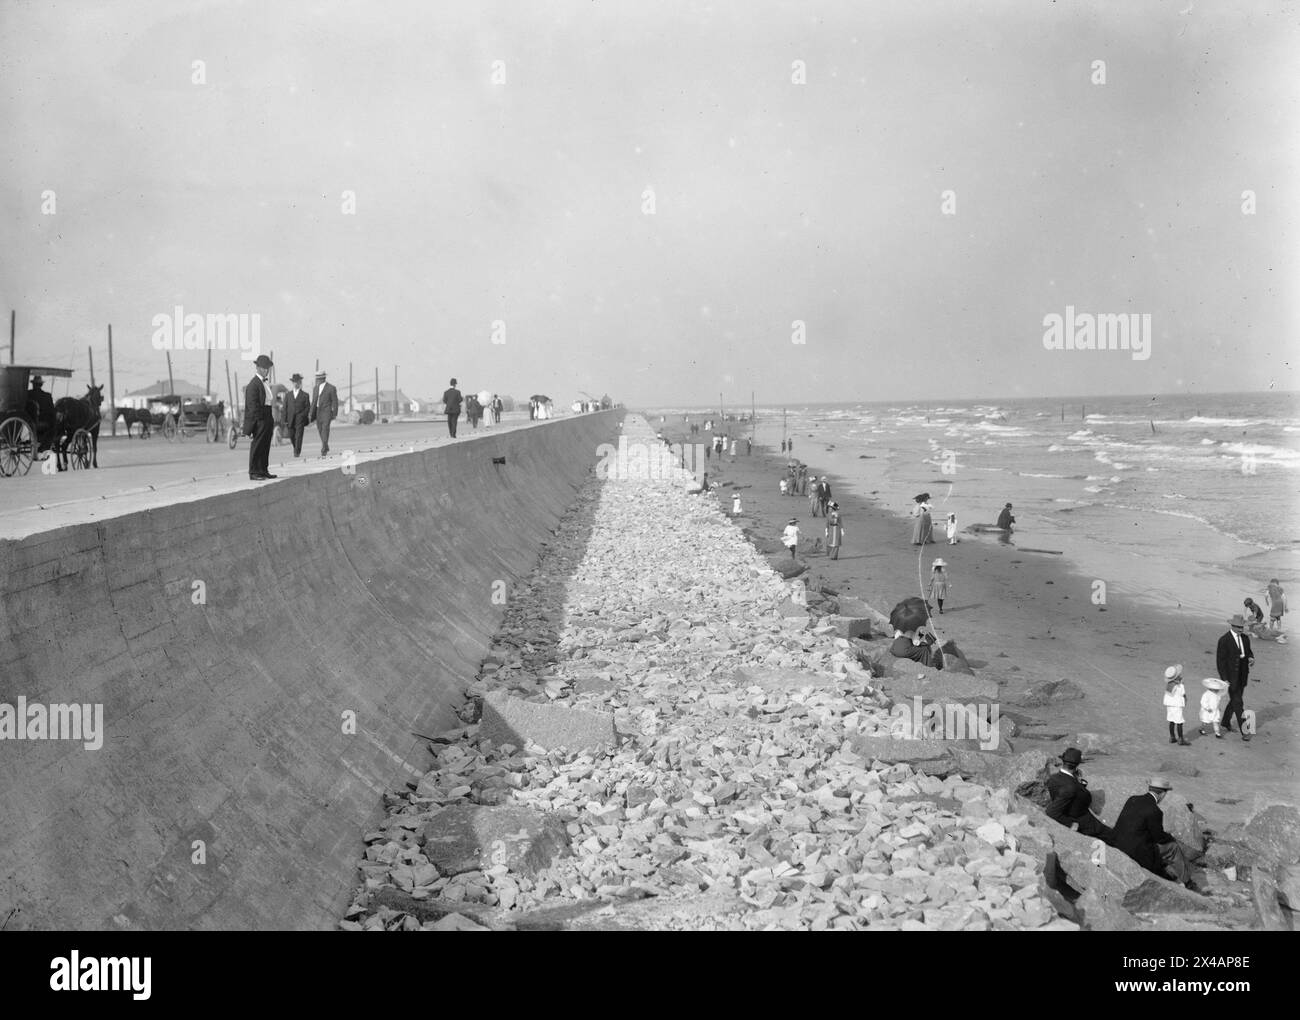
227, 640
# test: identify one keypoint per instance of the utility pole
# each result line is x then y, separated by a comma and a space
376, 394
90, 353
171, 384
394, 390
13, 321
352, 404
230, 394
207, 385
112, 388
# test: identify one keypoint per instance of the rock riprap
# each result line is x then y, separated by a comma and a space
723, 750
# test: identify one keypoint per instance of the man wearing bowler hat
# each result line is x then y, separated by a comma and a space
1070, 800
1234, 659
1140, 833
259, 421
297, 411
324, 409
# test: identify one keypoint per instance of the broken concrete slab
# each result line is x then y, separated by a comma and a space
1103, 913
911, 680
508, 720
1020, 773
474, 837
1274, 834
851, 626
1049, 692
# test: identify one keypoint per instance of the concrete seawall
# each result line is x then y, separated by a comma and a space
224, 717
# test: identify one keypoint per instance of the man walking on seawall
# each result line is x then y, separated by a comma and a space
259, 420
324, 409
451, 404
1234, 658
297, 412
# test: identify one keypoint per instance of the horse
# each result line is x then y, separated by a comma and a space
132, 416
72, 413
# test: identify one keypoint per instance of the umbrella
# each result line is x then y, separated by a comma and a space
909, 614
541, 398
922, 498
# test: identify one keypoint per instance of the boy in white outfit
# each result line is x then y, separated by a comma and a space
790, 537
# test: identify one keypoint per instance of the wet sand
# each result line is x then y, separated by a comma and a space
1024, 617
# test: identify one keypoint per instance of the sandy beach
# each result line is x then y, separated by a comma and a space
1023, 617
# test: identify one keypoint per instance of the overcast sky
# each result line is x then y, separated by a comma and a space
525, 201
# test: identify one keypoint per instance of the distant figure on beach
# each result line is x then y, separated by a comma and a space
1233, 658
783, 446
733, 447
749, 446
923, 531
952, 529
451, 399
472, 411
938, 583
783, 486
735, 504
498, 405
1210, 709
834, 531
790, 537
1005, 519
791, 446
1069, 801
1175, 700
1276, 605
802, 473
1140, 833
324, 409
824, 495
1254, 617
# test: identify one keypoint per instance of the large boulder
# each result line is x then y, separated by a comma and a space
508, 720
911, 680
1014, 772
1274, 834
473, 837
1103, 913
931, 756
851, 626
787, 567
1050, 692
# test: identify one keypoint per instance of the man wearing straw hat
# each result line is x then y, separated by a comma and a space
1140, 833
1234, 658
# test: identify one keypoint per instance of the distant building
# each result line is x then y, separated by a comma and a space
140, 398
388, 403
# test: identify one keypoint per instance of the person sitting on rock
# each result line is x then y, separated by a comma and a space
911, 638
1140, 832
1069, 799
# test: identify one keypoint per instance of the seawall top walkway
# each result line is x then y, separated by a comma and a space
137, 474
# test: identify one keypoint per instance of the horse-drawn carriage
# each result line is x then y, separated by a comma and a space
180, 416
23, 436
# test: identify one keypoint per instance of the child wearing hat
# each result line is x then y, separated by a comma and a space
952, 529
790, 537
938, 583
1214, 688
1175, 699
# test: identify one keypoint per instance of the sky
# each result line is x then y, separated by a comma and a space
643, 199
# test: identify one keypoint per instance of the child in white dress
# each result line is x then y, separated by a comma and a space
1175, 699
1210, 712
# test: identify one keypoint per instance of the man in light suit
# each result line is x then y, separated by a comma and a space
259, 420
297, 409
324, 409
1234, 658
1140, 833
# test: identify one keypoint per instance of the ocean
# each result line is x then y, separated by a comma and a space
1185, 500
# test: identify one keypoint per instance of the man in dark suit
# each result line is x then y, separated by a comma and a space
451, 404
1140, 833
1070, 800
297, 412
259, 420
324, 409
1234, 659
40, 405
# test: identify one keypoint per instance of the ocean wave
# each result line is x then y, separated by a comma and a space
1230, 422
1262, 451
1172, 495
1186, 515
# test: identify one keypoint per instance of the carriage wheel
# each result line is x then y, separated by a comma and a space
213, 429
79, 450
17, 446
233, 439
169, 428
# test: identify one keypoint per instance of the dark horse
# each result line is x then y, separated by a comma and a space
132, 416
70, 414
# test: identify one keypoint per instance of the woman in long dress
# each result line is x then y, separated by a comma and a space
834, 531
923, 531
